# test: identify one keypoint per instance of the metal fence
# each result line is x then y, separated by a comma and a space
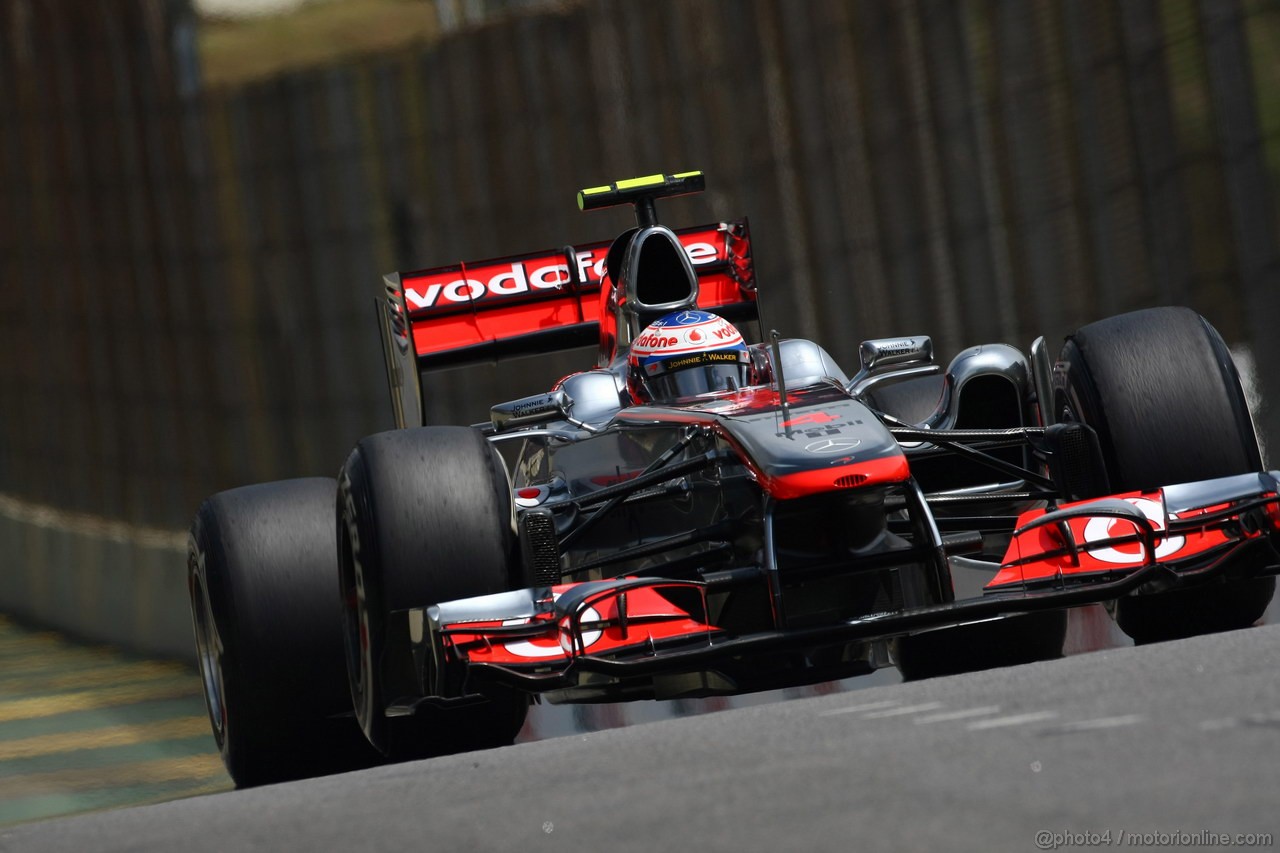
186, 276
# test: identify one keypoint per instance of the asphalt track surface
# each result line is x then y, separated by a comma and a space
1178, 738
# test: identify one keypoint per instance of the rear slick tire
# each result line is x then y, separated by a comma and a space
261, 567
1161, 391
425, 515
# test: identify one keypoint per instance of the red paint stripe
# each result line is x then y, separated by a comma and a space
876, 472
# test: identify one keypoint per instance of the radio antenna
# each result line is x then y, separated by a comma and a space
777, 371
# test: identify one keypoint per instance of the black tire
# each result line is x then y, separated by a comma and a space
261, 567
1024, 638
1160, 389
424, 515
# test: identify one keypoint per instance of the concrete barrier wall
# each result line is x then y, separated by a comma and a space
96, 579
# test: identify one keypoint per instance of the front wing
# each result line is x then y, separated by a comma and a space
1082, 553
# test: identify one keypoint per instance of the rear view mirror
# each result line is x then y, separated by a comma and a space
886, 352
913, 355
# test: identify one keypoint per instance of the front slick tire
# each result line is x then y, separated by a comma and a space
425, 515
1162, 392
261, 567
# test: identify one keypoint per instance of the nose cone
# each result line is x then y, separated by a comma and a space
826, 442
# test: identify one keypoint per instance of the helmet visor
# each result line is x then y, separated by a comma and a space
700, 373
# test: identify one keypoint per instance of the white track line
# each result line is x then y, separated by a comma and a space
948, 716
1014, 720
853, 709
1100, 723
903, 711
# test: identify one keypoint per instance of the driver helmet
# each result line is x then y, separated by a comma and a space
686, 353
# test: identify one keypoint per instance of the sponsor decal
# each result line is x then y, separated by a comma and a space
708, 330
546, 403
811, 418
553, 648
721, 357
832, 445
531, 496
513, 280
1100, 528
487, 283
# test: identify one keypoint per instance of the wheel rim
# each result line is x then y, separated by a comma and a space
209, 657
355, 635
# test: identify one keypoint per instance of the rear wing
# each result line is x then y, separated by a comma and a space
485, 311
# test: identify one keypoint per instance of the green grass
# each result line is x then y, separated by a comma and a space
234, 52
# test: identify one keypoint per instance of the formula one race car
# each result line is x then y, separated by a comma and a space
712, 509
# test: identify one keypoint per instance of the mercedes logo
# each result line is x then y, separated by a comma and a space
832, 445
689, 317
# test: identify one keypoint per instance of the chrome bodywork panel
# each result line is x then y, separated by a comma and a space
999, 360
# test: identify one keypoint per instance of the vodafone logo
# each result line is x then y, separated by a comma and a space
493, 282
1099, 529
515, 279
554, 649
673, 338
